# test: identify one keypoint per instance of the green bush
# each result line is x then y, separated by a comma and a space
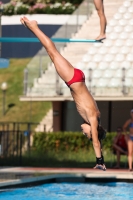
29, 2
38, 8
62, 9
63, 141
22, 10
33, 2
107, 142
60, 1
9, 9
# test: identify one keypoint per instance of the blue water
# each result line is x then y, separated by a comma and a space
68, 191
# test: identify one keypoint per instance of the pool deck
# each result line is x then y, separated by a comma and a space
11, 177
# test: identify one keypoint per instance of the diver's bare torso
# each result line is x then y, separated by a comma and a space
86, 105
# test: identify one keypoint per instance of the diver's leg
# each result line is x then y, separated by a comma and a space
103, 22
63, 67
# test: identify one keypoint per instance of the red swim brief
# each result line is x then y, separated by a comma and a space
78, 77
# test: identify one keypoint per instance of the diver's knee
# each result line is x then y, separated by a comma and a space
100, 13
96, 143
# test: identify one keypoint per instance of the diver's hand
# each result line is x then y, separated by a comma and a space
31, 24
101, 167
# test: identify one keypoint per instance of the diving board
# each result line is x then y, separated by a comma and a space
60, 40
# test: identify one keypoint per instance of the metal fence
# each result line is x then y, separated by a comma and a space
16, 139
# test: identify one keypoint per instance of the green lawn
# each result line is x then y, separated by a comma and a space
80, 159
16, 110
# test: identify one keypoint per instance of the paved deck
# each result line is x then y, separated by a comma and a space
63, 170
25, 176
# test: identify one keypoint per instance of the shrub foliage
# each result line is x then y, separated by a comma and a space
40, 7
63, 141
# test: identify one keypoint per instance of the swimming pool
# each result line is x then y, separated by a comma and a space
72, 191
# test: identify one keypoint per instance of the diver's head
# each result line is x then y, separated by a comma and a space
86, 129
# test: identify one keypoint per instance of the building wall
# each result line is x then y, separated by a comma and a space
12, 27
113, 114
23, 49
104, 110
71, 119
57, 115
120, 112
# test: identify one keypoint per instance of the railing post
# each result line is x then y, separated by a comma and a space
20, 155
40, 54
123, 81
28, 137
40, 66
17, 139
44, 127
88, 10
77, 20
25, 81
7, 140
90, 78
57, 84
14, 130
66, 27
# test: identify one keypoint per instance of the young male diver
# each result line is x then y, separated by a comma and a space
75, 80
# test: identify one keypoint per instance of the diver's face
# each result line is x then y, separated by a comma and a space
86, 129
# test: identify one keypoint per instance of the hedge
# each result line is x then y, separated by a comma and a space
62, 141
35, 7
33, 2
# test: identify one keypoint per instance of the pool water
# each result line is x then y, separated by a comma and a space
72, 191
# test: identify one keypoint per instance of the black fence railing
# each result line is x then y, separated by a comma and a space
15, 140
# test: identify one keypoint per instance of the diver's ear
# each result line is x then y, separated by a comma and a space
82, 126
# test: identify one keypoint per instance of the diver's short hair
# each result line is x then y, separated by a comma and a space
101, 133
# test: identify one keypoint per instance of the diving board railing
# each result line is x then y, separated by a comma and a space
58, 40
64, 40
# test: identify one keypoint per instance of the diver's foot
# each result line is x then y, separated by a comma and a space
130, 170
101, 167
100, 38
